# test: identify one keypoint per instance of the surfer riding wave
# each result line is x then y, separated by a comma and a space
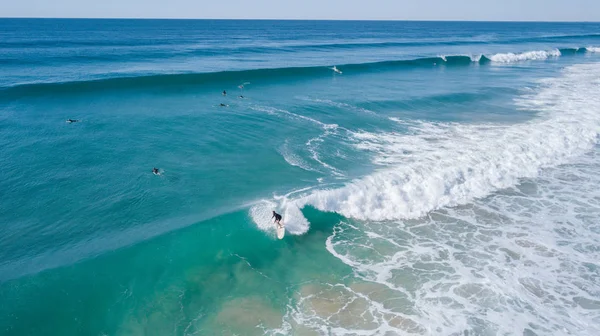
277, 219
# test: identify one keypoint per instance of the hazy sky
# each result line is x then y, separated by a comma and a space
542, 10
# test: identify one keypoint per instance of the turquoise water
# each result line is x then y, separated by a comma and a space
444, 184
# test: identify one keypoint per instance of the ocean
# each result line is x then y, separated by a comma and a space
444, 183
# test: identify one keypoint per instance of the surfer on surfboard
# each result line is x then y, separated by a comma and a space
336, 69
155, 171
277, 219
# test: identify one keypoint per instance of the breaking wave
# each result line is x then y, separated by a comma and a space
438, 165
217, 78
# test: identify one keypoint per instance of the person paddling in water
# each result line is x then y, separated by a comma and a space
277, 218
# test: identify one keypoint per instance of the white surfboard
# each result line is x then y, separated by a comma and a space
280, 230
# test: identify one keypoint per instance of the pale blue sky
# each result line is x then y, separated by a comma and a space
542, 10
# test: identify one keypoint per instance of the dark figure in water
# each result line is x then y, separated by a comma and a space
72, 120
277, 218
155, 171
223, 105
242, 97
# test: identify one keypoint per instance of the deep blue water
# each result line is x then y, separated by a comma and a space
443, 183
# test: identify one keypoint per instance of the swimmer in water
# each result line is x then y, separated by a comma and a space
224, 93
72, 120
155, 171
223, 105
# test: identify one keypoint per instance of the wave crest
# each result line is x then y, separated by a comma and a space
526, 56
229, 77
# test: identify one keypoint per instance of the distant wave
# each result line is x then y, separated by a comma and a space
234, 77
198, 45
95, 43
572, 51
562, 37
526, 56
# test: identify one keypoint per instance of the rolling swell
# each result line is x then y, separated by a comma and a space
98, 42
564, 37
180, 80
572, 51
211, 78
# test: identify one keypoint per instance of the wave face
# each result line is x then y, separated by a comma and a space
271, 74
446, 164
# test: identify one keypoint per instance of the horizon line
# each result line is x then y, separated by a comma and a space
289, 19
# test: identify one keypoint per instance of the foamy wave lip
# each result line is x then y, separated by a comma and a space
474, 58
593, 49
294, 221
526, 56
452, 164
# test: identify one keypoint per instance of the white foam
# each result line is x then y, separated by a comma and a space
312, 144
525, 259
340, 105
293, 159
294, 221
277, 111
522, 261
261, 214
447, 164
474, 58
526, 56
593, 49
438, 165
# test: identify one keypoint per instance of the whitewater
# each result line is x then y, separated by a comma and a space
440, 165
466, 227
